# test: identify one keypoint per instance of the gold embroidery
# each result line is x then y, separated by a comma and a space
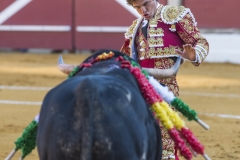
172, 13
187, 23
159, 31
142, 55
141, 45
144, 45
204, 44
153, 23
201, 49
155, 32
155, 42
186, 37
151, 31
151, 52
165, 63
200, 56
197, 36
190, 34
173, 28
139, 39
162, 52
156, 52
159, 41
130, 30
167, 142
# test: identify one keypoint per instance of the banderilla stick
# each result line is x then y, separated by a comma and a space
204, 125
206, 157
11, 155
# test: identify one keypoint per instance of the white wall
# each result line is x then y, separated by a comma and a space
223, 47
174, 2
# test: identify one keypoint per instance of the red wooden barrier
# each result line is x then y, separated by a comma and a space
215, 13
90, 24
36, 24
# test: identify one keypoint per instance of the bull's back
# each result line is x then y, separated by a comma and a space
95, 118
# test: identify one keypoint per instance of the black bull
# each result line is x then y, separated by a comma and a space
99, 114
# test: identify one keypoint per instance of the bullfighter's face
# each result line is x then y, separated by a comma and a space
146, 8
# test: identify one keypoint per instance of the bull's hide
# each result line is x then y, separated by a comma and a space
99, 114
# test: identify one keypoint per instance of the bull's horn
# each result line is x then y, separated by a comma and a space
164, 73
65, 68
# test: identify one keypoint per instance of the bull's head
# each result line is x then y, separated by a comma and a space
156, 73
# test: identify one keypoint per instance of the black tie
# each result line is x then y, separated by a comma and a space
144, 28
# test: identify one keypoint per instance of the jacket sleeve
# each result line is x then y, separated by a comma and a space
128, 38
125, 48
189, 33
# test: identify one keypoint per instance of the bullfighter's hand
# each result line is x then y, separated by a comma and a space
188, 52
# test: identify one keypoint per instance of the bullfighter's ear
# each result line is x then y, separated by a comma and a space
65, 68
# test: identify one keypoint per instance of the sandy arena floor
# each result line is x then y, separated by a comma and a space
209, 89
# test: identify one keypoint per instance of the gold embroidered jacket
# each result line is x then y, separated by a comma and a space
170, 28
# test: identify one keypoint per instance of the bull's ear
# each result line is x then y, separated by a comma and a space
65, 68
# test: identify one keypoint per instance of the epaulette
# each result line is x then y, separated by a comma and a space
173, 14
132, 28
